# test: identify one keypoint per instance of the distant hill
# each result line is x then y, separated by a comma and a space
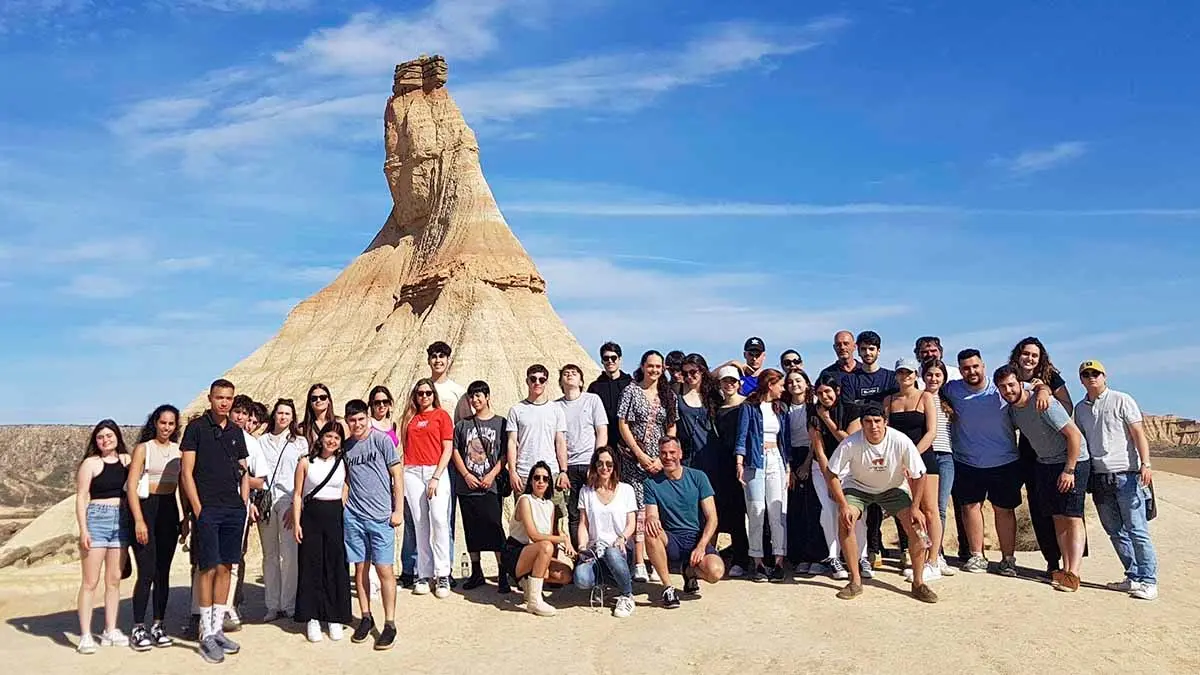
38, 462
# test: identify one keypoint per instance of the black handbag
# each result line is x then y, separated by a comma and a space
262, 499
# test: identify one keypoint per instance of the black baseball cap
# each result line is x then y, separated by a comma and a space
754, 344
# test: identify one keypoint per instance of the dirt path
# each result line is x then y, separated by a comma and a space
984, 623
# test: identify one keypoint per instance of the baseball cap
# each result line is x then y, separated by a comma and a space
907, 364
1092, 364
754, 344
729, 371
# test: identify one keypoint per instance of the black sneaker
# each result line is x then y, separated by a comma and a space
407, 580
670, 599
453, 582
159, 636
365, 626
502, 584
760, 574
386, 639
140, 640
474, 581
776, 574
691, 585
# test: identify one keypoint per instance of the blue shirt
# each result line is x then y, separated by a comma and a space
982, 429
678, 501
749, 384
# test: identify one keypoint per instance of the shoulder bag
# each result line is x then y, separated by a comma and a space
262, 499
332, 470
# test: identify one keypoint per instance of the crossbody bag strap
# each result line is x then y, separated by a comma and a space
328, 476
277, 463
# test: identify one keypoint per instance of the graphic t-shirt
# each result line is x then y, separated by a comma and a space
424, 435
1044, 431
874, 386
536, 425
875, 469
367, 470
583, 415
678, 501
480, 443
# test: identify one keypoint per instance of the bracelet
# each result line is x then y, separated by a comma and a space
437, 478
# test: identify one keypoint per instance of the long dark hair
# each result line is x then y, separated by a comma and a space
593, 473
149, 430
293, 428
315, 450
710, 388
828, 380
550, 483
766, 378
945, 403
310, 415
93, 449
666, 394
1045, 368
379, 388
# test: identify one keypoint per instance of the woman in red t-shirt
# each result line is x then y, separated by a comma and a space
428, 442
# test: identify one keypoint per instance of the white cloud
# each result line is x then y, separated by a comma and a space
158, 114
114, 250
1042, 159
188, 264
98, 287
1002, 336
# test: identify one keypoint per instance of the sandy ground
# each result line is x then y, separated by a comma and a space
984, 623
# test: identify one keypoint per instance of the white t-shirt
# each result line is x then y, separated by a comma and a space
770, 421
875, 469
606, 522
584, 415
256, 462
453, 397
535, 425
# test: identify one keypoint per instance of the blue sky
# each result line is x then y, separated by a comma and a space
176, 174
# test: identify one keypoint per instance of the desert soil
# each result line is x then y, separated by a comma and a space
984, 623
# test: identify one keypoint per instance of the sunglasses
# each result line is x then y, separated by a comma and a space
540, 478
381, 401
690, 372
791, 362
537, 379
318, 397
609, 358
422, 393
605, 463
1091, 373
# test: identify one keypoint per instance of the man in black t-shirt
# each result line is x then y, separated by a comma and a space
215, 483
611, 382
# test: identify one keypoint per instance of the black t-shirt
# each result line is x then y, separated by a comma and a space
481, 445
219, 452
874, 386
842, 415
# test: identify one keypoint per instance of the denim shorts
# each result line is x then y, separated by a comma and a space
680, 544
108, 526
369, 541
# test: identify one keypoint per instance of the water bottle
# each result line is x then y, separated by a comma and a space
466, 566
924, 537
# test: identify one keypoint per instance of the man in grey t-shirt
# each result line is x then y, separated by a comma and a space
374, 508
1062, 471
587, 429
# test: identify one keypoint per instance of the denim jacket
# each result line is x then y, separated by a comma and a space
750, 437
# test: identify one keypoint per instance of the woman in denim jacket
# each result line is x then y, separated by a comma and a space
763, 455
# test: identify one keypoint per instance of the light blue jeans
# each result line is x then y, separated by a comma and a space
612, 567
1122, 511
945, 464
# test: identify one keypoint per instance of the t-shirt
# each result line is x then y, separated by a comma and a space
982, 430
480, 443
424, 435
678, 501
875, 469
847, 381
536, 425
367, 470
542, 512
748, 384
453, 397
1105, 424
606, 522
219, 451
583, 416
797, 420
1044, 430
256, 461
874, 386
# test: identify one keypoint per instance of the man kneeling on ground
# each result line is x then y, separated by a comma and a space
879, 465
678, 500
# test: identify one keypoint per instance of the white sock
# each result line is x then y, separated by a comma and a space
206, 614
218, 618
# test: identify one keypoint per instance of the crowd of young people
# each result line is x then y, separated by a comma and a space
644, 470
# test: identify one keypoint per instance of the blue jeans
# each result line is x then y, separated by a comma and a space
945, 464
408, 547
612, 567
1122, 506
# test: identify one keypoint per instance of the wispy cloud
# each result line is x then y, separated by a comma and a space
732, 209
1042, 159
188, 264
98, 287
25, 15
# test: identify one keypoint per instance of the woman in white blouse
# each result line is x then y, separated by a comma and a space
607, 521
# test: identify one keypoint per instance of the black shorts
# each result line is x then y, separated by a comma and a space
509, 557
218, 536
1000, 485
680, 544
1049, 501
931, 464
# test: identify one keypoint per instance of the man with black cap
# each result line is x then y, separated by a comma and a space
755, 352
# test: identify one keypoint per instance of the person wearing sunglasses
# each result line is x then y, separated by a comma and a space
479, 474
428, 444
698, 400
537, 432
319, 411
791, 361
587, 429
754, 352
1111, 421
534, 540
607, 522
611, 382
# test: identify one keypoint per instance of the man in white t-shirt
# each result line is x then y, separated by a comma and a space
878, 465
537, 432
587, 429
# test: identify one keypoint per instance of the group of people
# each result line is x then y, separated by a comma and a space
643, 469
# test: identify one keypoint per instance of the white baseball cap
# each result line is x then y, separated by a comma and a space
729, 371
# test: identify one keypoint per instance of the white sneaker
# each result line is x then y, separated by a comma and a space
87, 644
944, 567
314, 631
1124, 585
113, 638
335, 631
639, 573
1145, 591
654, 578
736, 572
865, 570
421, 587
931, 573
624, 606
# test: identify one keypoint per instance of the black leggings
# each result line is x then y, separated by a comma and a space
154, 558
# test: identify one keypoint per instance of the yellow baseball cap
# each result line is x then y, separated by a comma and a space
1092, 365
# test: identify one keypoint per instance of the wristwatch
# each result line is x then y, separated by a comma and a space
1145, 465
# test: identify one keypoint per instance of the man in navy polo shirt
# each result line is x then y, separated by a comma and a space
846, 367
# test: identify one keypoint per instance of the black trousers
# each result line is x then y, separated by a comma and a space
577, 474
323, 578
161, 514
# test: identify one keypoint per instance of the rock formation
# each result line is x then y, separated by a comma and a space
445, 266
1170, 431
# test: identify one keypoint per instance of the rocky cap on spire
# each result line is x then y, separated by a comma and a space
424, 72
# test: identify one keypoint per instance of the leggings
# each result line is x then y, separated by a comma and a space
154, 557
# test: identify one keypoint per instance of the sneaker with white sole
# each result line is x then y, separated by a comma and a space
442, 588
1124, 585
87, 644
335, 631
931, 573
976, 564
113, 638
313, 631
226, 645
1008, 567
233, 622
819, 569
865, 569
944, 567
653, 577
210, 651
838, 569
421, 587
624, 606
737, 572
639, 573
140, 640
1145, 591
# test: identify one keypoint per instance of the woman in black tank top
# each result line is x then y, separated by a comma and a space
911, 411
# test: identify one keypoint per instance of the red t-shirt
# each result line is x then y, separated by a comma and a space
424, 435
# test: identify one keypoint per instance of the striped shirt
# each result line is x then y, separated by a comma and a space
941, 442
